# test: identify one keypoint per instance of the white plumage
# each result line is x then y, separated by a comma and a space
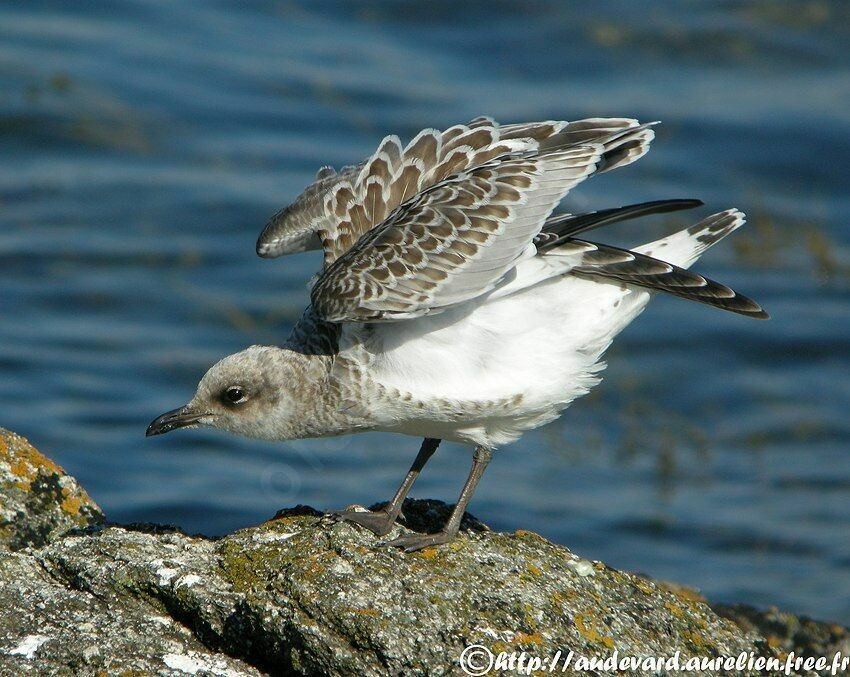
535, 343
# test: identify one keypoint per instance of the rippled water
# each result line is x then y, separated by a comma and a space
144, 144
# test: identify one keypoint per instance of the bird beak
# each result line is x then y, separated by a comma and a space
171, 420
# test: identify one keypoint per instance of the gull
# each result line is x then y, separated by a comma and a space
451, 304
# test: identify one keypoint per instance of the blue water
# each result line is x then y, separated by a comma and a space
144, 144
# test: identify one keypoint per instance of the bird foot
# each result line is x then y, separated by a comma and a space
415, 542
378, 522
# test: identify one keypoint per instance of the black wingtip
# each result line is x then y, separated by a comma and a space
744, 305
569, 225
760, 314
690, 203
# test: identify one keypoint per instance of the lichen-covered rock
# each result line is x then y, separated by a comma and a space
798, 634
306, 594
37, 499
49, 627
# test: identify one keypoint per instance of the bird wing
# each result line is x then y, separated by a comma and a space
394, 174
292, 229
596, 260
599, 260
452, 242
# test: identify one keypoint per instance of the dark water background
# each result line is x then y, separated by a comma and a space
144, 144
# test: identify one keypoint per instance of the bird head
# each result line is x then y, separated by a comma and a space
241, 394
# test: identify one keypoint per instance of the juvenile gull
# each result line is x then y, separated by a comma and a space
451, 304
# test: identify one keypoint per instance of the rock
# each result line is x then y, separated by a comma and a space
49, 627
306, 594
37, 499
790, 633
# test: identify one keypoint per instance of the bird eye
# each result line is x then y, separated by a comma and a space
235, 395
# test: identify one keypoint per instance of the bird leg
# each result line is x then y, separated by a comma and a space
379, 522
414, 542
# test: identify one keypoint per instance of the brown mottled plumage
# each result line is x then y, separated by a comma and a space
393, 174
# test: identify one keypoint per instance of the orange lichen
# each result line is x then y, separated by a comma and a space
72, 505
20, 468
525, 533
26, 461
590, 633
532, 638
690, 595
427, 553
26, 465
644, 586
683, 592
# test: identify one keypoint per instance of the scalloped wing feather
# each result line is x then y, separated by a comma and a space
394, 175
453, 242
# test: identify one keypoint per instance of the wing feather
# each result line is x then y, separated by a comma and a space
395, 174
454, 241
645, 271
558, 229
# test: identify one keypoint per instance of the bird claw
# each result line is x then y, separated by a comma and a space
378, 522
415, 542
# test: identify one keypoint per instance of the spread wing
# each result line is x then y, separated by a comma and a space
452, 242
336, 209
